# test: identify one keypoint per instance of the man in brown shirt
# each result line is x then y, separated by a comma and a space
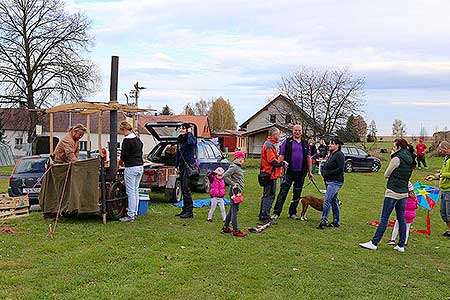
68, 148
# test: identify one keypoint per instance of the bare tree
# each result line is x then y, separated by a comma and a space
41, 62
398, 128
372, 136
329, 97
202, 107
187, 110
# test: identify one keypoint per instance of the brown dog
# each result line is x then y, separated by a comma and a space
314, 202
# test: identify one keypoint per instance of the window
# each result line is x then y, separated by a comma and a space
83, 145
344, 150
353, 151
217, 153
362, 152
288, 119
201, 152
18, 143
209, 150
272, 118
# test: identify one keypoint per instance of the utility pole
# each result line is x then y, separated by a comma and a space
135, 94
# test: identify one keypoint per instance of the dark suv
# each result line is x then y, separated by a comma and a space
26, 176
159, 172
357, 159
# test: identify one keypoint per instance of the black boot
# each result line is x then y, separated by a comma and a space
180, 213
187, 215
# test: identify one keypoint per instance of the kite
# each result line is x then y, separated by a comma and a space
427, 196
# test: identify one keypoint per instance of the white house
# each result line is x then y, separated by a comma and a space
280, 112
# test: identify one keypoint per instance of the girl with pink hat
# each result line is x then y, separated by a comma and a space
217, 192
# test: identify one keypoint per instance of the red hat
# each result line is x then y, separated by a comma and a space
238, 154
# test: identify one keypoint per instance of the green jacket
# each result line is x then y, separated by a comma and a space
399, 179
444, 182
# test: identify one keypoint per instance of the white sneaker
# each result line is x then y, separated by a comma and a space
369, 245
391, 242
399, 249
295, 217
274, 216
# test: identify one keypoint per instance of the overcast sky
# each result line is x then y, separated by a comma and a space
185, 50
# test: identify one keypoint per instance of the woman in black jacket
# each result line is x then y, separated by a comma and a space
333, 175
186, 165
131, 157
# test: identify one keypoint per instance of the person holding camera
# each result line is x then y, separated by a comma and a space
187, 167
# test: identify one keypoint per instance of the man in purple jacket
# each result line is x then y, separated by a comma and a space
296, 151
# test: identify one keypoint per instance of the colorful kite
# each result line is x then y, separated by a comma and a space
428, 196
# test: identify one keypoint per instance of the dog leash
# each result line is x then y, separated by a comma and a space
315, 185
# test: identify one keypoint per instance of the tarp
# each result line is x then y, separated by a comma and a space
82, 190
201, 202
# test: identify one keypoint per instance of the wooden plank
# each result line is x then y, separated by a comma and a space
88, 132
51, 133
99, 132
13, 202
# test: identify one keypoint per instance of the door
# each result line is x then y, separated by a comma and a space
366, 161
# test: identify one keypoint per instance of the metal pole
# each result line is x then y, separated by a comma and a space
113, 119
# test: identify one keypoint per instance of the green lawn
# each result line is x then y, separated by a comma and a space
6, 170
162, 257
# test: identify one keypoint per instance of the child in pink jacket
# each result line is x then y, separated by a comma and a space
410, 215
217, 192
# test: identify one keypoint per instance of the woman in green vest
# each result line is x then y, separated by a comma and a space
398, 174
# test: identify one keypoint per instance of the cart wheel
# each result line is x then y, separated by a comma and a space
118, 208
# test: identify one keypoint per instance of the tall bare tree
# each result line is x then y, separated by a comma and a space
41, 55
398, 128
329, 97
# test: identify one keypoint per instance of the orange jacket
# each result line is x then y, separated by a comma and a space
270, 161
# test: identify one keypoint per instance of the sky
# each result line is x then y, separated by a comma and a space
182, 51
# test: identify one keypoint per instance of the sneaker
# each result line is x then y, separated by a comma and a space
239, 233
209, 220
322, 225
275, 216
127, 219
399, 249
369, 245
333, 224
226, 230
294, 217
391, 242
446, 234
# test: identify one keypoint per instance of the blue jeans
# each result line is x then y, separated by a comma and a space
388, 206
132, 179
332, 200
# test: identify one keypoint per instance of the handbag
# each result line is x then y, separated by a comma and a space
236, 197
192, 169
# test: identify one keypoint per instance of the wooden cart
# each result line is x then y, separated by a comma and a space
113, 199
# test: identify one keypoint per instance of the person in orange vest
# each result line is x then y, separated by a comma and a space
271, 164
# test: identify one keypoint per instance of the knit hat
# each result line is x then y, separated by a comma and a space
238, 154
219, 171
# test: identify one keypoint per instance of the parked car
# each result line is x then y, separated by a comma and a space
159, 171
357, 159
26, 175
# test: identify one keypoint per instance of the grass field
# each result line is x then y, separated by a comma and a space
163, 257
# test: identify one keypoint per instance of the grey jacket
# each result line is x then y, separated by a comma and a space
234, 176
